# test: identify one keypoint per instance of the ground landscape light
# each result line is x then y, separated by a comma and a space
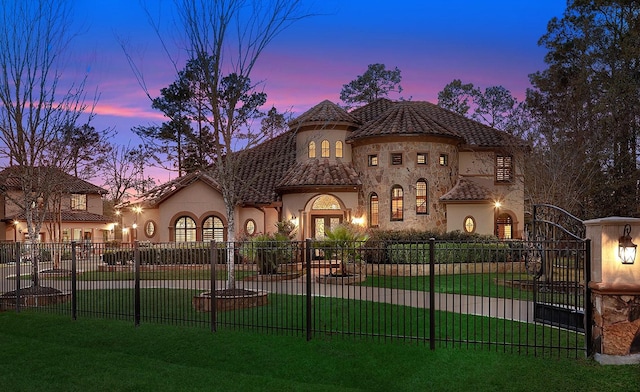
626, 248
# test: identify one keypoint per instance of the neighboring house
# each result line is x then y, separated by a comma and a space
80, 209
388, 165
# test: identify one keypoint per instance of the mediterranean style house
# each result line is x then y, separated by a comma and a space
387, 165
80, 209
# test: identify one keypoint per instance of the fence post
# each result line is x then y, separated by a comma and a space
74, 283
18, 278
213, 305
307, 257
588, 308
432, 298
136, 289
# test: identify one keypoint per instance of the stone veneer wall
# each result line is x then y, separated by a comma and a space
381, 178
616, 323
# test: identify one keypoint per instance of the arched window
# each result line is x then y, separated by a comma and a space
373, 210
339, 149
421, 198
325, 149
397, 201
185, 229
213, 229
312, 149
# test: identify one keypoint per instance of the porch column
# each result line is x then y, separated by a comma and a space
615, 296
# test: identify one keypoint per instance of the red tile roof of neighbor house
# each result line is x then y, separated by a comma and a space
12, 177
71, 216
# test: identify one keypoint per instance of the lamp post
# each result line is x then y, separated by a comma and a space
15, 230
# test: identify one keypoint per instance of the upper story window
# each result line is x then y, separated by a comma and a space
339, 149
421, 158
397, 201
421, 197
396, 158
325, 149
444, 160
312, 149
504, 168
78, 202
373, 210
373, 160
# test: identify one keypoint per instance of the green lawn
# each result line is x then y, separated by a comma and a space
46, 352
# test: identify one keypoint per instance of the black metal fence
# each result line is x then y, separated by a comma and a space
484, 295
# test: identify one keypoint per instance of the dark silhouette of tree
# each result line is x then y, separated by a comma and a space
376, 82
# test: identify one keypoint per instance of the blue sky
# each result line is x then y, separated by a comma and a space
489, 42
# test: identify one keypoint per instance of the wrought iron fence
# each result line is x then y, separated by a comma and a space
482, 295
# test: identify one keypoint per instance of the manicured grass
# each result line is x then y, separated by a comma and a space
186, 274
336, 316
45, 352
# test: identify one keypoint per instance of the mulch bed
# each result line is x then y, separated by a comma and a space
33, 290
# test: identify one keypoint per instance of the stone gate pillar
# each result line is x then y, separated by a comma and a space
615, 292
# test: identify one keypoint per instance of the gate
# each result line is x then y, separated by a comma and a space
559, 259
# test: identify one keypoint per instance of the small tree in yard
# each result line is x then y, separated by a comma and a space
37, 106
344, 242
225, 40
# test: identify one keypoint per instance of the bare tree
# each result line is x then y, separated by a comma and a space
38, 104
123, 173
226, 38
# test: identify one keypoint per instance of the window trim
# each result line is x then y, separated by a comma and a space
397, 204
424, 197
78, 202
213, 228
150, 225
374, 217
474, 225
373, 160
325, 149
422, 155
185, 230
443, 159
339, 149
246, 227
396, 159
503, 169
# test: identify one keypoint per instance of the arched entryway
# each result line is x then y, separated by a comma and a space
325, 212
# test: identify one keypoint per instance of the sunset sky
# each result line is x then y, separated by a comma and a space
489, 42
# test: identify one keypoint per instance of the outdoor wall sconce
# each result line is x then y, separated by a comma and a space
626, 248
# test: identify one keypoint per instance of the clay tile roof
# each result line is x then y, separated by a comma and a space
320, 172
260, 169
404, 118
373, 110
466, 190
11, 177
326, 112
72, 216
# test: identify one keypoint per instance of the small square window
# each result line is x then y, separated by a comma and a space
373, 160
396, 159
444, 160
422, 158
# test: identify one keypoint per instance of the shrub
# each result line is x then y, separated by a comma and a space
448, 252
117, 256
268, 251
344, 241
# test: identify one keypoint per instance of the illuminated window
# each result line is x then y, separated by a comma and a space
421, 198
396, 159
469, 224
326, 202
213, 229
373, 210
504, 168
312, 149
325, 149
250, 227
338, 149
149, 229
397, 201
422, 158
185, 229
78, 202
373, 160
444, 160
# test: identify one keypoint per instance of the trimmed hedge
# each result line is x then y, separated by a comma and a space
418, 253
162, 256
